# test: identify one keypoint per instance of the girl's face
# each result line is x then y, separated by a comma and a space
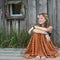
41, 19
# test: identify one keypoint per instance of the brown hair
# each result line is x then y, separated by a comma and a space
46, 24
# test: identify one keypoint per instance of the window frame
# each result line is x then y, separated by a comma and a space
10, 15
11, 12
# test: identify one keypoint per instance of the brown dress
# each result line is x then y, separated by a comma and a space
40, 46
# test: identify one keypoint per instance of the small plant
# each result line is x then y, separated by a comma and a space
55, 38
24, 38
21, 39
12, 39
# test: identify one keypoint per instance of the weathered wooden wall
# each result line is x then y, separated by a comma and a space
17, 24
58, 19
30, 17
54, 16
33, 7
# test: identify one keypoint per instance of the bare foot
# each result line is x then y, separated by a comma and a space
43, 58
37, 57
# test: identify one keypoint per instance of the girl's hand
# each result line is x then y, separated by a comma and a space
47, 37
30, 30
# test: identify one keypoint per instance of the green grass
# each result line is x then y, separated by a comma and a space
55, 38
20, 39
12, 39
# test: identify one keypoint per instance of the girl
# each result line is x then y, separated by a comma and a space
40, 44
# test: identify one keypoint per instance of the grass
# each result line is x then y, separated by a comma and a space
21, 39
12, 39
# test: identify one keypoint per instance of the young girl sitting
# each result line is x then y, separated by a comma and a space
40, 44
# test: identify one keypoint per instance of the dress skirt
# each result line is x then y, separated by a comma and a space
39, 46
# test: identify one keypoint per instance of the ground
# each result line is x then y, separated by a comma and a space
17, 54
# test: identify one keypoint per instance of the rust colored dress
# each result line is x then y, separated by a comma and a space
40, 46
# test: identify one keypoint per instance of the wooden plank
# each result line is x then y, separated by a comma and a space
18, 25
0, 3
42, 6
49, 10
8, 26
58, 18
3, 12
32, 12
26, 14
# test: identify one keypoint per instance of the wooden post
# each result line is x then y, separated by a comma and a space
52, 17
3, 13
37, 9
32, 12
58, 19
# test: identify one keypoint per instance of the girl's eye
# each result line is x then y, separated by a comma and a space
41, 18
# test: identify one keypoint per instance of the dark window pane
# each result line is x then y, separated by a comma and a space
16, 8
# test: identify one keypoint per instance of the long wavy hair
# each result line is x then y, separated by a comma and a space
45, 15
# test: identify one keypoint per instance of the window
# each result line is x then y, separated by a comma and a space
16, 9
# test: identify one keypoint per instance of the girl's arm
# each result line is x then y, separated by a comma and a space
49, 29
39, 31
30, 30
42, 32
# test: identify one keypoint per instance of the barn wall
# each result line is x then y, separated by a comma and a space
58, 19
33, 7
